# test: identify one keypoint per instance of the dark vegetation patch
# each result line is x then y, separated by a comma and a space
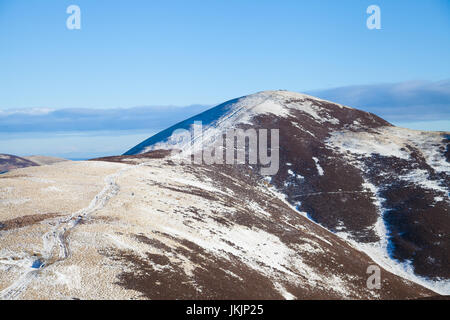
336, 198
155, 154
156, 278
24, 221
191, 190
13, 176
152, 242
418, 230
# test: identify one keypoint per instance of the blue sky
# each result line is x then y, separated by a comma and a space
147, 52
157, 53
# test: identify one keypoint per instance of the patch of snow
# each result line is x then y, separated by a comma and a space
39, 180
8, 202
293, 174
282, 290
197, 184
257, 209
69, 276
270, 106
319, 168
51, 189
118, 242
232, 274
422, 178
366, 144
430, 144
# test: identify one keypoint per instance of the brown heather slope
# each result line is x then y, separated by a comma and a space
384, 188
162, 230
326, 267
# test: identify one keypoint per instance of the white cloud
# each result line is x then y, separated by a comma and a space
403, 102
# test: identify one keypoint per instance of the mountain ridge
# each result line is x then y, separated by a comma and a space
352, 192
341, 155
244, 108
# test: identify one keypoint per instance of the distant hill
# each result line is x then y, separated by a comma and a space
10, 162
44, 160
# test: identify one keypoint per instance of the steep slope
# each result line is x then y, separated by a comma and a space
384, 189
143, 227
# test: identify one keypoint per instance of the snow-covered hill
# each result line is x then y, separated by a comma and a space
384, 188
245, 111
351, 192
141, 227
